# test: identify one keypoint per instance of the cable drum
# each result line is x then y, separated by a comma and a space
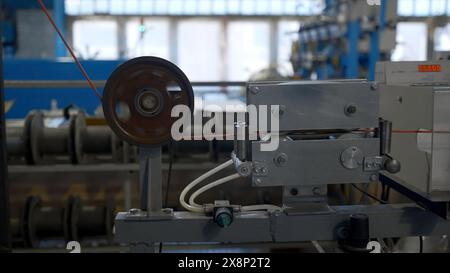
90, 221
94, 140
51, 142
138, 99
43, 222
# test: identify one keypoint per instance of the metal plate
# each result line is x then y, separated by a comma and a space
139, 97
256, 227
409, 109
440, 166
319, 105
312, 162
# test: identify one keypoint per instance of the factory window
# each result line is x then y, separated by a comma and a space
287, 34
195, 7
199, 49
95, 39
411, 42
248, 50
442, 39
423, 7
147, 37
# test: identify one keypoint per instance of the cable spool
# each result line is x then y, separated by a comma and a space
94, 140
15, 140
90, 221
41, 222
18, 140
46, 141
138, 99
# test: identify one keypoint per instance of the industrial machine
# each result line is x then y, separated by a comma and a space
327, 133
415, 96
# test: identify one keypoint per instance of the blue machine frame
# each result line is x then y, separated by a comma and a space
351, 59
26, 100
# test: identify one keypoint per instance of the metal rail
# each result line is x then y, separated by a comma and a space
95, 168
386, 221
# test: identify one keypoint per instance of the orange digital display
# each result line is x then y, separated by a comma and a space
430, 68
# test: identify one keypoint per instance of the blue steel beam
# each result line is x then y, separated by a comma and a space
28, 99
59, 15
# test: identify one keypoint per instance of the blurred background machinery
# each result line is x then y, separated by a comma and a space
345, 41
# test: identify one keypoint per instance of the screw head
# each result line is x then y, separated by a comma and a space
255, 90
351, 110
167, 211
374, 86
316, 191
281, 160
134, 211
374, 177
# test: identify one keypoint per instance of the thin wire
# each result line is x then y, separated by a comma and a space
91, 84
369, 195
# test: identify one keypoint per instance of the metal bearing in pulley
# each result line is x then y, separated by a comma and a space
139, 97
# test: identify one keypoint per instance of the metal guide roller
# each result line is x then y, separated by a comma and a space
139, 97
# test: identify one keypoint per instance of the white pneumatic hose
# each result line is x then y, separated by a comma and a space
198, 208
210, 186
223, 181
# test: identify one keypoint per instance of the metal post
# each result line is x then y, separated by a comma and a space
173, 40
354, 29
274, 37
151, 179
122, 35
5, 239
59, 13
375, 41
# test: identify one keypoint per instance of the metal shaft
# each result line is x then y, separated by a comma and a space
54, 141
98, 140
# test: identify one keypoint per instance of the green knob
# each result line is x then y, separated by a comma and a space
224, 220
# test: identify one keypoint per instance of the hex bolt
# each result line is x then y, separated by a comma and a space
374, 86
133, 211
350, 110
244, 171
281, 160
255, 90
316, 191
